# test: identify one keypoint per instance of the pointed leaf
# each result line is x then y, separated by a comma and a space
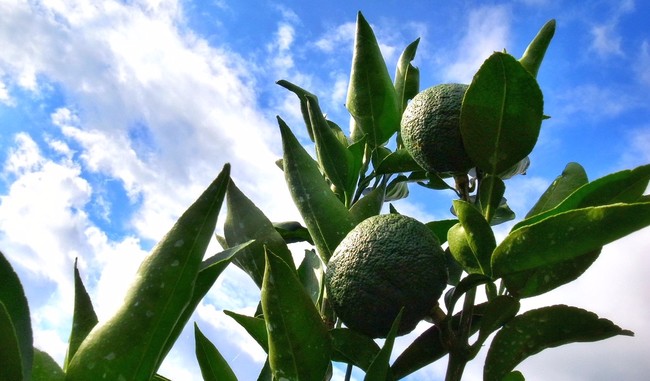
625, 186
397, 162
380, 367
369, 205
130, 344
256, 328
299, 344
501, 114
536, 330
292, 232
472, 240
45, 368
407, 77
468, 283
327, 219
490, 195
84, 318
517, 169
440, 228
310, 273
213, 366
567, 235
302, 96
534, 54
371, 98
353, 348
244, 222
572, 178
16, 316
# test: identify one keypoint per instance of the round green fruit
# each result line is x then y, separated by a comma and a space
385, 263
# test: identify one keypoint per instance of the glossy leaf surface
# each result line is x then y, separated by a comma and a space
256, 328
45, 368
84, 318
572, 178
379, 369
353, 347
212, 364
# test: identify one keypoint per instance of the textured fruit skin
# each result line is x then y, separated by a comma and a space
430, 129
385, 263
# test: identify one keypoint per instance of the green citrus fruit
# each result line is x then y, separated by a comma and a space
430, 129
385, 263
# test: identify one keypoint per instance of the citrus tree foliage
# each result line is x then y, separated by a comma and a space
351, 179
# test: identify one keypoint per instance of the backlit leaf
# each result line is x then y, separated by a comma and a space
212, 364
84, 318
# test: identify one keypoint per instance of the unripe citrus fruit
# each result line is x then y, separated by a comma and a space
430, 129
385, 263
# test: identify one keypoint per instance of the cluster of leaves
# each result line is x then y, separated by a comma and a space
350, 180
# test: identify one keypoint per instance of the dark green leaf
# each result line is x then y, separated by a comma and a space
371, 98
16, 331
539, 280
266, 374
397, 162
490, 195
469, 282
353, 348
302, 96
572, 178
514, 376
472, 240
369, 205
407, 77
501, 114
84, 318
502, 214
327, 219
299, 344
434, 181
625, 186
244, 222
517, 169
292, 232
45, 368
213, 366
536, 330
534, 54
310, 273
379, 369
498, 311
454, 269
397, 189
567, 235
440, 228
256, 328
131, 343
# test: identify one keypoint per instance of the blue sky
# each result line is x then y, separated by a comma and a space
114, 115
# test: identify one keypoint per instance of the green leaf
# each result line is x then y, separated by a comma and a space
498, 311
625, 186
245, 222
537, 281
337, 161
440, 228
266, 374
572, 178
567, 235
501, 114
292, 232
514, 376
130, 344
299, 344
45, 368
353, 348
302, 96
407, 77
397, 162
369, 205
397, 189
256, 328
84, 318
490, 195
16, 331
471, 241
327, 219
536, 330
371, 98
517, 169
465, 285
534, 54
379, 369
213, 366
310, 273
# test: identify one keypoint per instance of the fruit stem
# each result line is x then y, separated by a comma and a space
459, 353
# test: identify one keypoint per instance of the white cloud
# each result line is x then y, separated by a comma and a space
339, 38
642, 64
606, 41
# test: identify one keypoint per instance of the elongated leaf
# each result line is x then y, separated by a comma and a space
567, 235
353, 348
379, 369
536, 330
212, 364
534, 54
407, 76
624, 186
84, 318
517, 169
327, 219
498, 311
45, 368
292, 232
302, 96
130, 344
469, 282
299, 344
440, 228
10, 356
369, 205
501, 114
371, 98
397, 162
572, 178
310, 273
244, 222
472, 240
490, 195
18, 324
256, 328
266, 374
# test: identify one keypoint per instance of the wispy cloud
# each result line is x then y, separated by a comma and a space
606, 38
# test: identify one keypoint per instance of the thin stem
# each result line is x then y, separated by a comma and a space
459, 352
348, 372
